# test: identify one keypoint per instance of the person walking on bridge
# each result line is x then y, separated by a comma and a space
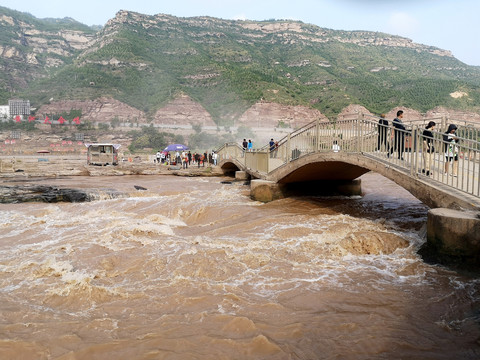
451, 148
382, 133
244, 145
271, 145
428, 149
399, 136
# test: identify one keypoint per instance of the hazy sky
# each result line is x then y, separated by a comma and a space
448, 24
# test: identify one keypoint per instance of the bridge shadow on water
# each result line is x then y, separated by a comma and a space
393, 206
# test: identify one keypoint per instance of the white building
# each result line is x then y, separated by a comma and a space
4, 112
19, 107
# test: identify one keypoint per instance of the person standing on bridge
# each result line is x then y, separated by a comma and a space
428, 149
250, 146
271, 144
205, 158
335, 147
245, 145
451, 148
382, 133
399, 135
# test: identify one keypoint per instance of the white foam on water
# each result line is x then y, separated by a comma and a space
165, 220
156, 260
316, 258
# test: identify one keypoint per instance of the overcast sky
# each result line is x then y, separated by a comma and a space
448, 24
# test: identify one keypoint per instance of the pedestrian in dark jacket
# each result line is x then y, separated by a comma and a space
428, 149
399, 135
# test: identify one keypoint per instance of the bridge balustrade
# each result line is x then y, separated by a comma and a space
403, 149
257, 160
411, 153
231, 151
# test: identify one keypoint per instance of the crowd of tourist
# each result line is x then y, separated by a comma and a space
186, 158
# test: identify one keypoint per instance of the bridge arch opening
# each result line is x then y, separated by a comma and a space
321, 178
322, 171
229, 169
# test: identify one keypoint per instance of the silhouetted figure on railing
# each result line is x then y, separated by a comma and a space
451, 148
382, 133
399, 135
335, 146
295, 154
271, 145
428, 150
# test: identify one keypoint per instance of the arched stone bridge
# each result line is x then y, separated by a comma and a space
344, 168
307, 157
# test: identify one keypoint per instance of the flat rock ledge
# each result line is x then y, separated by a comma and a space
52, 194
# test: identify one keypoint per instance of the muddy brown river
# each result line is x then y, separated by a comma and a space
193, 269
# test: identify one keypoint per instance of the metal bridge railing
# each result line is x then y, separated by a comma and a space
404, 149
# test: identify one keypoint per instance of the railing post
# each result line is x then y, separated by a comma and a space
414, 151
288, 148
318, 134
360, 132
357, 134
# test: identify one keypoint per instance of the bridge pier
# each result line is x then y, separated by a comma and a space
266, 191
454, 235
241, 175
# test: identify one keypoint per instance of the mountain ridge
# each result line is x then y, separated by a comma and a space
227, 66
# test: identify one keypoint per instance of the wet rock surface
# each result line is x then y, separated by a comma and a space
10, 194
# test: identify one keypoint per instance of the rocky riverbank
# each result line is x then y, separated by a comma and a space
19, 174
51, 194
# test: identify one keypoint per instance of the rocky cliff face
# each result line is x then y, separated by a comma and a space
271, 115
183, 111
38, 47
28, 43
458, 115
101, 110
33, 47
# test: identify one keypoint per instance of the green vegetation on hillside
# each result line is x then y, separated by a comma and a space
226, 67
150, 137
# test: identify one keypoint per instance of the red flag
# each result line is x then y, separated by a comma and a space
18, 118
61, 120
76, 120
47, 120
31, 118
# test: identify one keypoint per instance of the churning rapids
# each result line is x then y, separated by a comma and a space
193, 269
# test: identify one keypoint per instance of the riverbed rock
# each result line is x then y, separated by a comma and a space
372, 243
52, 194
